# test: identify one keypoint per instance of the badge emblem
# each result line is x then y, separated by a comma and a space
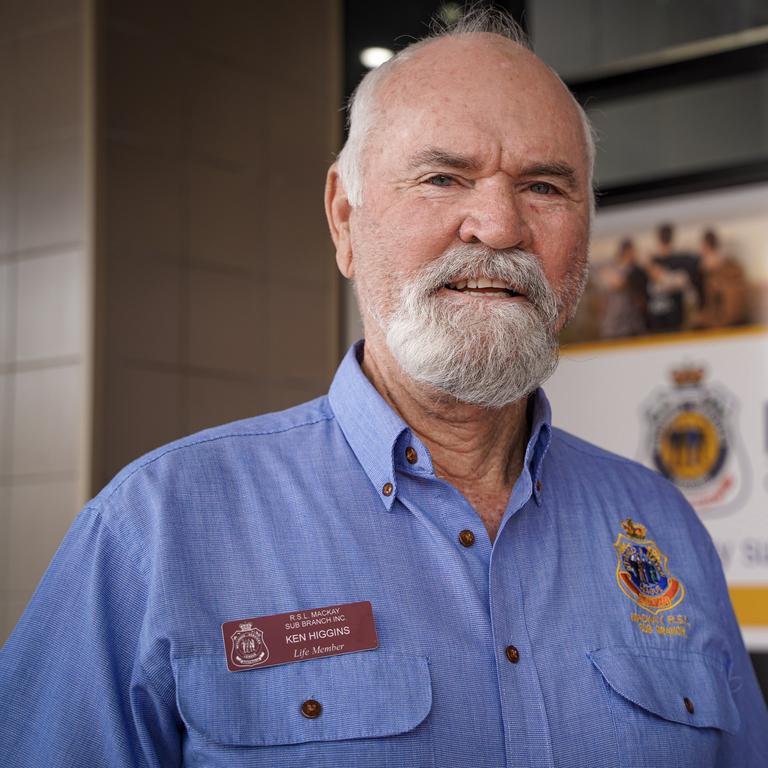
642, 571
691, 441
248, 646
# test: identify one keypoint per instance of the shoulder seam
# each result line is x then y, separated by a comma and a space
597, 452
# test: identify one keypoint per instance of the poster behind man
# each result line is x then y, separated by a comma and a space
667, 363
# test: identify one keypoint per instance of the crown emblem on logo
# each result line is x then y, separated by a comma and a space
633, 529
246, 626
687, 376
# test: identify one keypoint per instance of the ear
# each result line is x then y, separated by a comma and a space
338, 211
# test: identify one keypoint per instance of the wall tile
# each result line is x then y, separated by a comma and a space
50, 86
145, 89
302, 124
143, 207
280, 395
302, 331
47, 423
146, 413
6, 403
144, 308
226, 217
32, 15
7, 304
8, 65
228, 36
216, 401
226, 114
51, 202
49, 308
39, 516
227, 321
12, 605
6, 203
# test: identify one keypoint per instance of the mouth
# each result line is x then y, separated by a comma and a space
483, 286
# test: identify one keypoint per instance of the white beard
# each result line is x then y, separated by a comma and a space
487, 352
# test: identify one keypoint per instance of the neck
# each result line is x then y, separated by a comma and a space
478, 450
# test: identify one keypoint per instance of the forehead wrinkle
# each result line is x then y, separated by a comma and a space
431, 156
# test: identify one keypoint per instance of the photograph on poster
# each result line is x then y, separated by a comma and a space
693, 263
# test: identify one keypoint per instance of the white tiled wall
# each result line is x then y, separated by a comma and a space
43, 286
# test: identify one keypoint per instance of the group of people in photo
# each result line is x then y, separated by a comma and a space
669, 289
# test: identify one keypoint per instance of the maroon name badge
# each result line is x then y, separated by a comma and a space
299, 635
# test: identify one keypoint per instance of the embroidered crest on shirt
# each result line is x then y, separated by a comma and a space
642, 570
248, 646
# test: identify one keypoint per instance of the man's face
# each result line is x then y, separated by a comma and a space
476, 143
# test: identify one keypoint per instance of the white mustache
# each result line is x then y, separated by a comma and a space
514, 266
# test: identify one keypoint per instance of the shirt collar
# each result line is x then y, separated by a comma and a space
377, 435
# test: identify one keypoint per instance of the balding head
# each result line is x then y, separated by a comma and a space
455, 48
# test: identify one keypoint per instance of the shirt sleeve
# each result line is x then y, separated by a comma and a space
747, 748
82, 681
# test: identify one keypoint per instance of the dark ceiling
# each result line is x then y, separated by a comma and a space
393, 24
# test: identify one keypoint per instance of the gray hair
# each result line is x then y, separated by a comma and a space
362, 112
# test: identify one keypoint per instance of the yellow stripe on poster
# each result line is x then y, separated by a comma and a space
659, 339
751, 605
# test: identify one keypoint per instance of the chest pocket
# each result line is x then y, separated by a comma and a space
669, 708
373, 708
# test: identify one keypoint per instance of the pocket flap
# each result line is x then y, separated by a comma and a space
668, 684
362, 695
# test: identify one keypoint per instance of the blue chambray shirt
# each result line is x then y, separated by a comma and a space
119, 658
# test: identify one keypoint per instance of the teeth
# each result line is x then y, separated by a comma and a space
480, 282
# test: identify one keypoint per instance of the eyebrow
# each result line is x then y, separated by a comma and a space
558, 170
442, 157
432, 156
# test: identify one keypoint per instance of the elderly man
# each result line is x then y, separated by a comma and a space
416, 570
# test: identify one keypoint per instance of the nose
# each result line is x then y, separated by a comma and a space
496, 218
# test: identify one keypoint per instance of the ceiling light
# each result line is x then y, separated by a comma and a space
374, 57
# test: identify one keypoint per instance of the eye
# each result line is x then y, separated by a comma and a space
542, 188
440, 180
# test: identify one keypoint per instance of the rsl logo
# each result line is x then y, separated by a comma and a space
642, 571
691, 440
248, 646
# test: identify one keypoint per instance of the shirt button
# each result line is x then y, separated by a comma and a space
411, 456
311, 709
689, 705
466, 538
512, 654
387, 489
539, 486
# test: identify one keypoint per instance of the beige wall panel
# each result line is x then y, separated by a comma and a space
143, 204
147, 413
145, 305
228, 321
7, 306
51, 197
226, 216
47, 420
213, 401
49, 301
6, 201
301, 345
49, 96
